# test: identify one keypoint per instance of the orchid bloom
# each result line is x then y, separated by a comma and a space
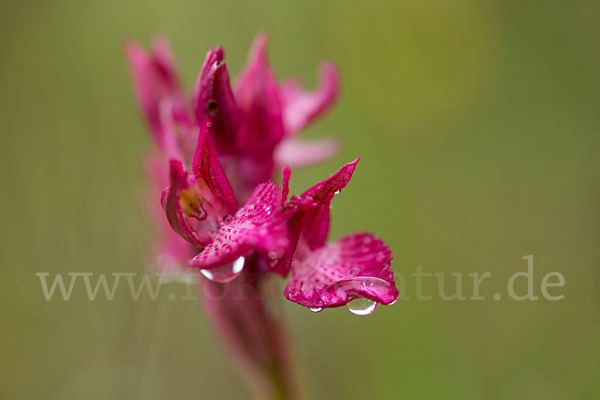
224, 216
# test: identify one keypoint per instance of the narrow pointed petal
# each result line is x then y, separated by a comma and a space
257, 95
155, 79
209, 174
298, 153
313, 206
214, 101
285, 183
355, 266
309, 215
301, 107
256, 226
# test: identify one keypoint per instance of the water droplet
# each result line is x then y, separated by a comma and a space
393, 302
226, 273
315, 309
361, 306
337, 191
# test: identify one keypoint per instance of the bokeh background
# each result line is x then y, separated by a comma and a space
478, 127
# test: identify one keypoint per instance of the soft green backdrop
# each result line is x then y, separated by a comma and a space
478, 126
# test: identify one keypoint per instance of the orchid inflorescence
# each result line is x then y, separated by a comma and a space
222, 214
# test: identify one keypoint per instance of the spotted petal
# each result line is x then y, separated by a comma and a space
300, 107
308, 215
355, 266
256, 226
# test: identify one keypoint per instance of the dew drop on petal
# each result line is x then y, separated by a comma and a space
225, 273
361, 306
315, 309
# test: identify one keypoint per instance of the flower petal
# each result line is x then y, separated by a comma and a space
298, 153
170, 250
312, 212
256, 226
209, 173
285, 183
155, 79
183, 206
195, 203
214, 102
257, 95
301, 107
355, 266
308, 215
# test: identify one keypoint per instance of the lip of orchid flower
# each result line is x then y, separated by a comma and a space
331, 275
355, 266
259, 225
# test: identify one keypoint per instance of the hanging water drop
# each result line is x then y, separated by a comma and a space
315, 309
361, 306
226, 273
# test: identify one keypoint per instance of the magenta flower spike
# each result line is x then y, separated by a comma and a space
216, 155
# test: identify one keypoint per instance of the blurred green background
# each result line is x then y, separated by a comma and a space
478, 127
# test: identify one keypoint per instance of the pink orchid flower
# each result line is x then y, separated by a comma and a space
222, 214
